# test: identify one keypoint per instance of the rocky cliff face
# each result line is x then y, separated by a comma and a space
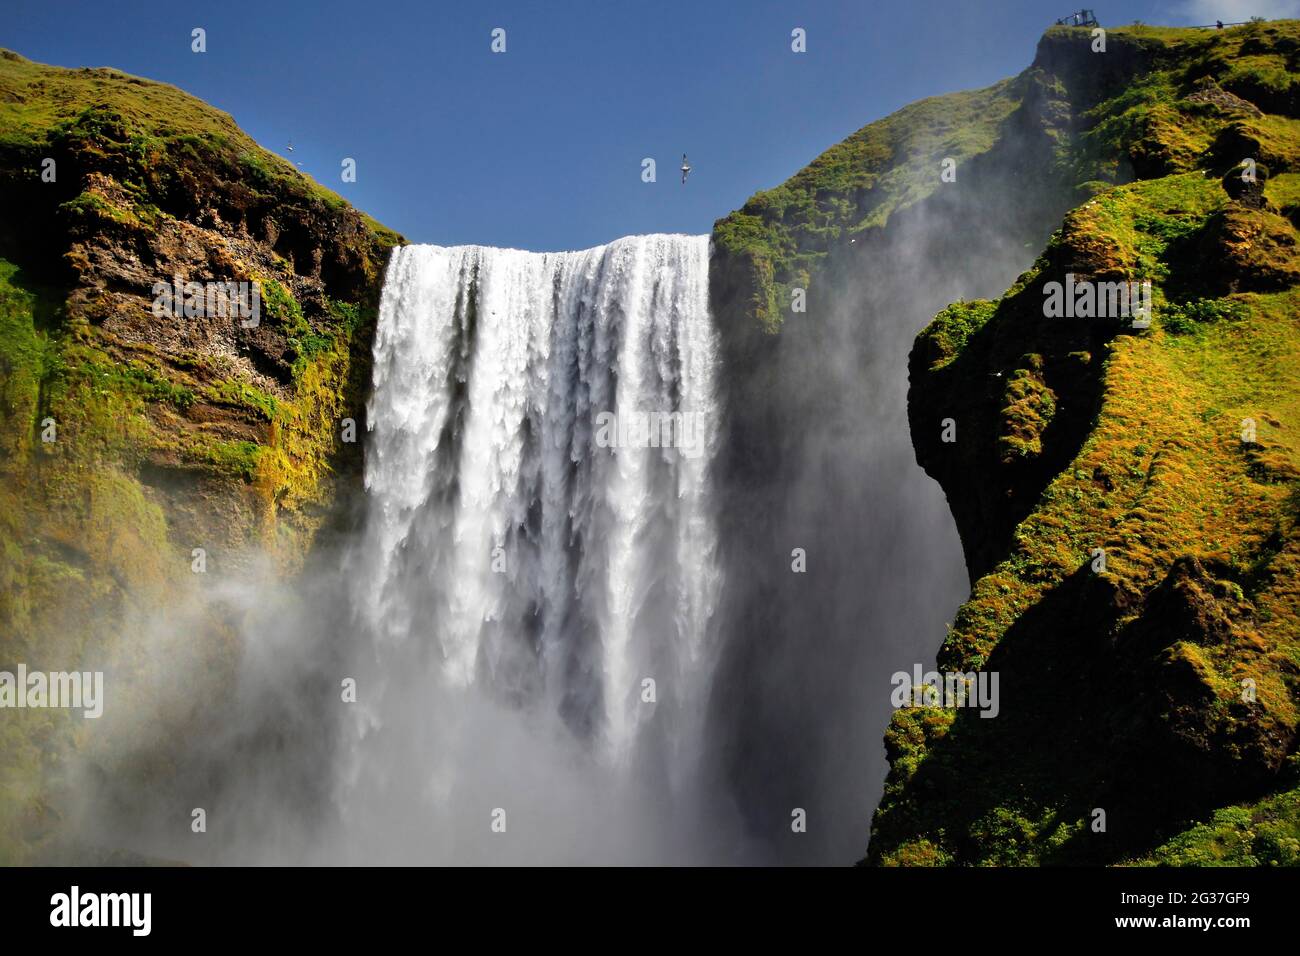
1158, 684
1127, 498
130, 438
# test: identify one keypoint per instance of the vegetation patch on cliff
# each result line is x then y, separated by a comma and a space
781, 235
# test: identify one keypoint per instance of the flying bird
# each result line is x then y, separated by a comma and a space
686, 168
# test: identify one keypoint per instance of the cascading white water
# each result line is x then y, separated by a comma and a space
525, 550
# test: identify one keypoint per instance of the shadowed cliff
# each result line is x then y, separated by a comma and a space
1111, 682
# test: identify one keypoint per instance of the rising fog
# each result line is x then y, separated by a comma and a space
776, 699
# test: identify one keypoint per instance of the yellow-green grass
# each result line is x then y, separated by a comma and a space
39, 101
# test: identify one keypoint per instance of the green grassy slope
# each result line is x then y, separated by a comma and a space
784, 234
150, 130
1106, 118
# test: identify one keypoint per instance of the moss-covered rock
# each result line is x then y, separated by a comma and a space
1160, 683
128, 438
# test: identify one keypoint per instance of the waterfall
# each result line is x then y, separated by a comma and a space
538, 567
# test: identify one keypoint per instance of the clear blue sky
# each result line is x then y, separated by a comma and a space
541, 147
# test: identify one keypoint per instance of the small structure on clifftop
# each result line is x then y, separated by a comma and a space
1083, 18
